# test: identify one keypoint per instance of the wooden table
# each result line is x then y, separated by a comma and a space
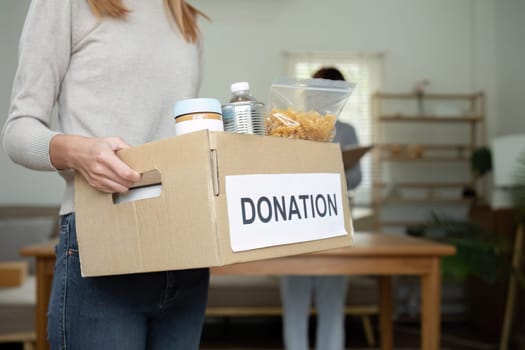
45, 264
372, 254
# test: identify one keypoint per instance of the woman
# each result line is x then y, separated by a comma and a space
113, 69
328, 292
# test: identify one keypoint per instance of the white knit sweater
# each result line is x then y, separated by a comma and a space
109, 77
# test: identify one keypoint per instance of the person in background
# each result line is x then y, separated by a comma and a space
327, 292
113, 70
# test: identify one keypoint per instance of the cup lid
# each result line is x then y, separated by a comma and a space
197, 105
240, 86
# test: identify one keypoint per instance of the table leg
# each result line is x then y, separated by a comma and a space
385, 312
431, 307
44, 277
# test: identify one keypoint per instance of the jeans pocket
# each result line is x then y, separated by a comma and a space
68, 233
64, 222
63, 242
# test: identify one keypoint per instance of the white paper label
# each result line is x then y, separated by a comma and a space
266, 210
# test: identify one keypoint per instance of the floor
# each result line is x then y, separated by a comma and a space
265, 334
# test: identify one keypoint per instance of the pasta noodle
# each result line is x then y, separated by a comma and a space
294, 124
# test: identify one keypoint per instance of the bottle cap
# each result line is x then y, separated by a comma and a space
196, 105
240, 86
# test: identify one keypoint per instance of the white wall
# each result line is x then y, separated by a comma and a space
421, 38
510, 55
18, 185
450, 42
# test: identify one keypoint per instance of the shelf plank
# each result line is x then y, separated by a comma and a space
424, 185
408, 201
430, 118
401, 223
426, 146
431, 96
429, 159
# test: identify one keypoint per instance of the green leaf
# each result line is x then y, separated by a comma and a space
481, 161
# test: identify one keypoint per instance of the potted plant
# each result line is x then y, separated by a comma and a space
479, 252
483, 257
480, 164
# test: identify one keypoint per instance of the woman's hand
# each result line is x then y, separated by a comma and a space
95, 158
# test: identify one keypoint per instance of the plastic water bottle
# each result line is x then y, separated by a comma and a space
243, 114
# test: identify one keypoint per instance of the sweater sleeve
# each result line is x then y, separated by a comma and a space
43, 59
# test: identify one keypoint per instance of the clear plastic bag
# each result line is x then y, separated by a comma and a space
306, 108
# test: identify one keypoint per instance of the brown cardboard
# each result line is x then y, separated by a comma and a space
352, 154
13, 273
187, 225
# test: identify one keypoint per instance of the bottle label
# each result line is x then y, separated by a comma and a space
246, 118
197, 116
198, 124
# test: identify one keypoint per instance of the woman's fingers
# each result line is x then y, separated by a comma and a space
95, 159
104, 184
119, 167
110, 172
109, 165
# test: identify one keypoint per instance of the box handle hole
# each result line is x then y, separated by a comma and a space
149, 186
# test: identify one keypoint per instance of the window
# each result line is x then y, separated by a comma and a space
366, 71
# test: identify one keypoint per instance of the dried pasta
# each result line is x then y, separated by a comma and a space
294, 124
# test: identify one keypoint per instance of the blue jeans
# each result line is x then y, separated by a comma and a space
329, 295
154, 311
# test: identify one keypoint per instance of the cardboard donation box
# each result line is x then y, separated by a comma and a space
211, 199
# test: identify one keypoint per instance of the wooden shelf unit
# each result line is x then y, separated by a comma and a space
448, 152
